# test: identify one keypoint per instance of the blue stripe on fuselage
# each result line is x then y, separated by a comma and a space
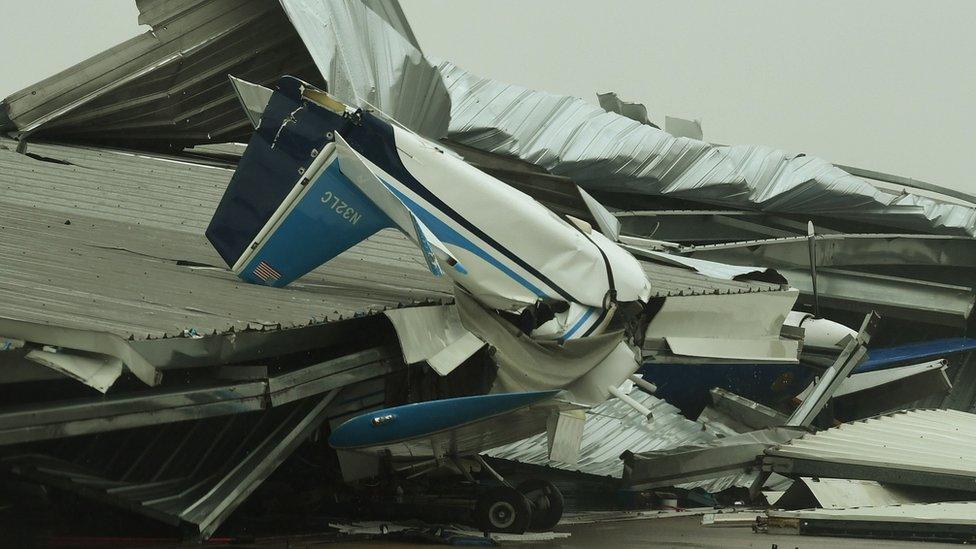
375, 140
450, 236
580, 322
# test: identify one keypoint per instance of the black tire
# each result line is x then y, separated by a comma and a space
503, 509
546, 502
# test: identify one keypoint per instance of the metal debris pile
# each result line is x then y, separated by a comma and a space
142, 378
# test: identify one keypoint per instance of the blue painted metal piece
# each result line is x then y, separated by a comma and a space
687, 386
423, 419
269, 169
879, 359
330, 218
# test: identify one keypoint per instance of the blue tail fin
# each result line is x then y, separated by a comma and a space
288, 208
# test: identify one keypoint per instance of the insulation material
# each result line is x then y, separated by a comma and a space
366, 60
605, 151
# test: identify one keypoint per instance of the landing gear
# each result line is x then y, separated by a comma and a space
545, 501
405, 488
503, 509
542, 500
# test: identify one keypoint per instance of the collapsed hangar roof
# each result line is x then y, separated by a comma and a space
112, 240
167, 89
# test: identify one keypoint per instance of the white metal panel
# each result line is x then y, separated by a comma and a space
961, 512
936, 441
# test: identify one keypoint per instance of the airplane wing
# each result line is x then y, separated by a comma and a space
452, 427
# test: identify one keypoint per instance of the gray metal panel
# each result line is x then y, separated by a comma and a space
60, 419
168, 86
134, 262
605, 151
961, 512
845, 250
918, 447
369, 57
906, 298
963, 394
192, 474
211, 510
613, 428
693, 226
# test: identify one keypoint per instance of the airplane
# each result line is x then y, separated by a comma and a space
561, 308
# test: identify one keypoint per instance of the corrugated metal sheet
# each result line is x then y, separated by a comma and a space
613, 428
134, 261
169, 86
610, 429
367, 57
845, 250
605, 151
676, 281
931, 442
192, 474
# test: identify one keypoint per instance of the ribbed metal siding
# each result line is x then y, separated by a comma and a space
937, 441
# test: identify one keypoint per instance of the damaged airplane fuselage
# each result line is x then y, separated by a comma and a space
562, 306
320, 177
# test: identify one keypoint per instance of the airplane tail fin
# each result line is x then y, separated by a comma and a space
289, 208
302, 195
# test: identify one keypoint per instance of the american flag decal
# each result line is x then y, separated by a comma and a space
266, 273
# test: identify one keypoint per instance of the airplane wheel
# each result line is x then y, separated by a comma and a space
503, 509
546, 502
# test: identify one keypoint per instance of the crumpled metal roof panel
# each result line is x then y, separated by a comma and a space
602, 150
113, 241
933, 441
368, 55
614, 427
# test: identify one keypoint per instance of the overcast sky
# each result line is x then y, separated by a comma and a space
887, 85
